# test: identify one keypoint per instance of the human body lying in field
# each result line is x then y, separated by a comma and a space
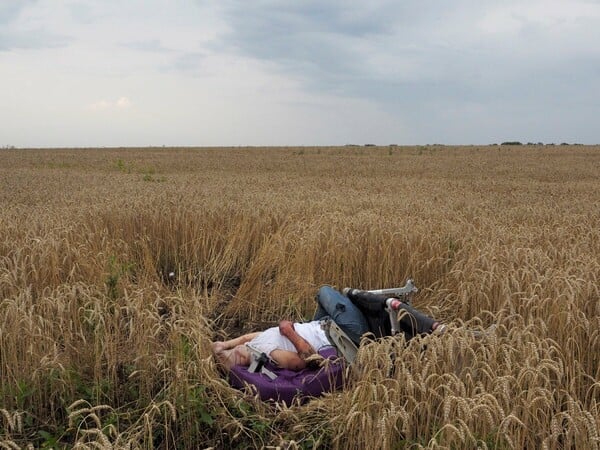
291, 344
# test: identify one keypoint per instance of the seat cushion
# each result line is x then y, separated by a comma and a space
290, 384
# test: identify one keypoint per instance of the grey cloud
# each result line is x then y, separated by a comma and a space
460, 83
344, 48
10, 9
312, 16
189, 62
33, 39
84, 13
18, 38
151, 46
316, 34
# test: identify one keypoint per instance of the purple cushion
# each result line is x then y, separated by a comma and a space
290, 384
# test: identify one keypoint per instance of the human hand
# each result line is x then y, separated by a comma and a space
285, 327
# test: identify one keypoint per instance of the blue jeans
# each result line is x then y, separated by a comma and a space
342, 311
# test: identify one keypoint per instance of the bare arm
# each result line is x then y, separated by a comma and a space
304, 349
221, 346
288, 360
292, 360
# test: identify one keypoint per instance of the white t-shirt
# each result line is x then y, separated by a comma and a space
271, 339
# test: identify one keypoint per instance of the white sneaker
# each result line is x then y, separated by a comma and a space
440, 329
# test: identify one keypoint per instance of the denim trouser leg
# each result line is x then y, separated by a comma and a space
342, 311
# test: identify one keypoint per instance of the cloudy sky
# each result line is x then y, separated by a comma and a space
269, 72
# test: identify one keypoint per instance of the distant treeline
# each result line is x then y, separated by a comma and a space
428, 145
533, 143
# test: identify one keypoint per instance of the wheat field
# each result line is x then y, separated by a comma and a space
118, 267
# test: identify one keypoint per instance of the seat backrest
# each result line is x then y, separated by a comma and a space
340, 340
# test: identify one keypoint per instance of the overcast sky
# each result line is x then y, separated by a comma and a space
243, 72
